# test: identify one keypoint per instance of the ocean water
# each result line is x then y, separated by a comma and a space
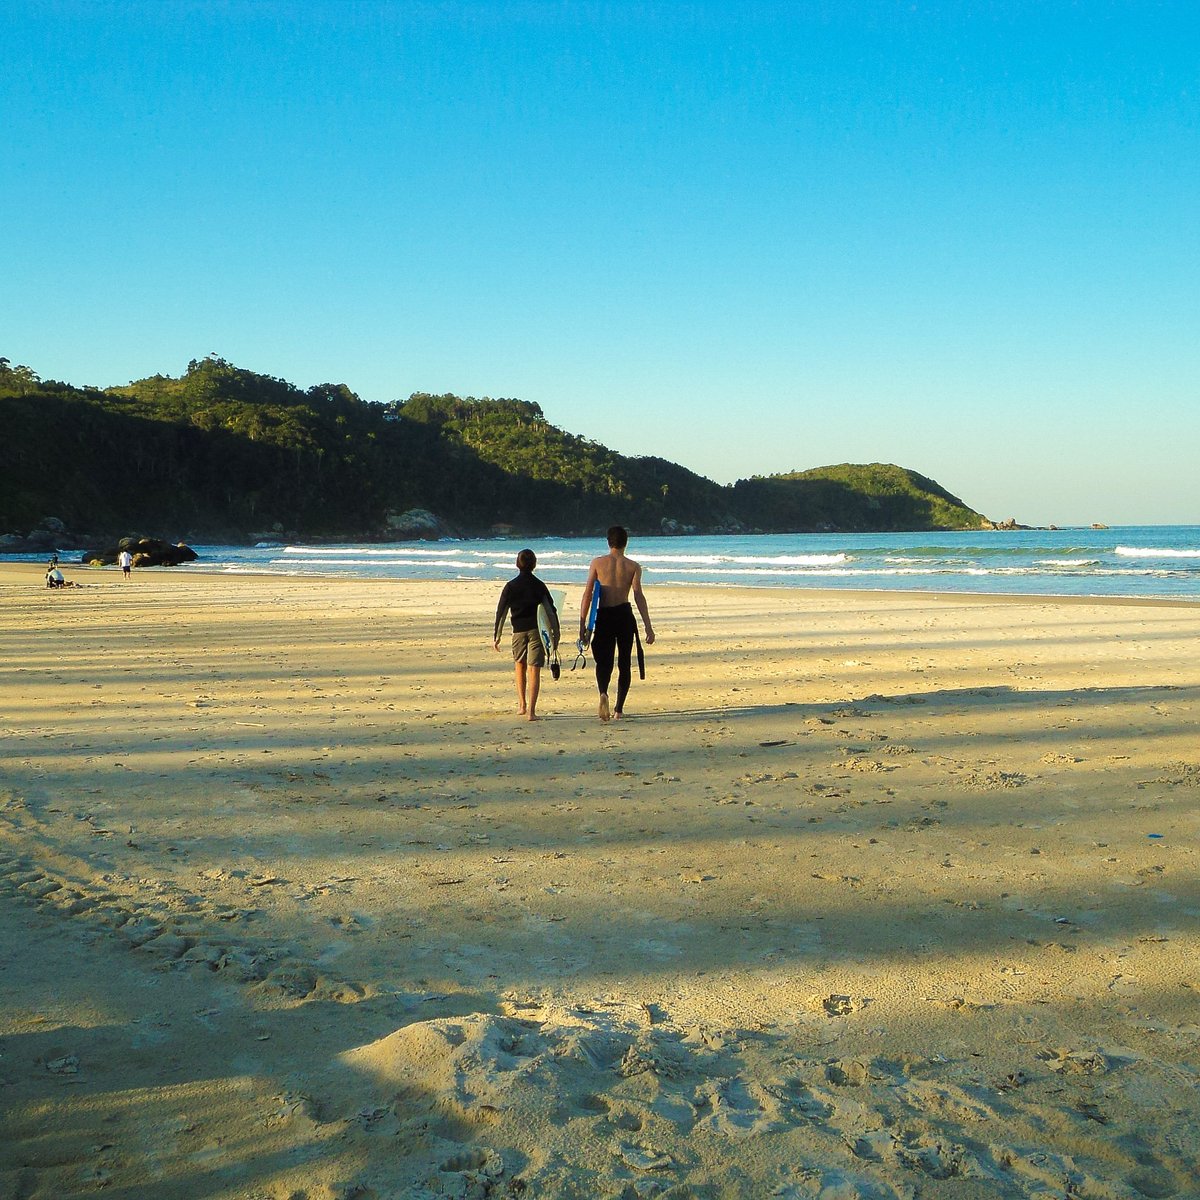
1148, 561
1155, 561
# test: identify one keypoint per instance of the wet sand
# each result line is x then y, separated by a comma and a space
870, 895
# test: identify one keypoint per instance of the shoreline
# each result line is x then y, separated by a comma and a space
871, 893
9, 569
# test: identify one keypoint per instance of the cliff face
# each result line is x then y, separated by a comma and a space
225, 453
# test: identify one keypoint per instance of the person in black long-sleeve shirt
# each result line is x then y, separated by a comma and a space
521, 597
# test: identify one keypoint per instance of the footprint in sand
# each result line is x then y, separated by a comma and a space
174, 927
939, 1158
810, 1103
736, 1107
839, 1184
1040, 1173
944, 1100
1077, 1062
643, 1157
847, 1073
628, 1121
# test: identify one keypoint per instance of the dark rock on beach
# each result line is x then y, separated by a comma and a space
147, 552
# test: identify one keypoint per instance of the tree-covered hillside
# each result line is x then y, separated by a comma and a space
223, 452
566, 476
877, 497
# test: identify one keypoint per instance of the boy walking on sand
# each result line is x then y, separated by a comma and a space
616, 629
522, 596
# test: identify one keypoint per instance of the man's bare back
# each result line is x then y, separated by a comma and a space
616, 576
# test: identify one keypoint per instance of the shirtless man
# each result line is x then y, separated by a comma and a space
616, 630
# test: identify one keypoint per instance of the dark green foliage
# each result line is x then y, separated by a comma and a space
224, 452
219, 452
877, 497
579, 483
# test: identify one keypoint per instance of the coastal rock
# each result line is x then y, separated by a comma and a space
49, 536
416, 524
672, 528
147, 552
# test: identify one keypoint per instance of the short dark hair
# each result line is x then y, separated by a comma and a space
526, 560
617, 537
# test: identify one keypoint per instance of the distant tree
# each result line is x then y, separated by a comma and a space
17, 381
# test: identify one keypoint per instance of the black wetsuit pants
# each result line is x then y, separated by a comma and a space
615, 631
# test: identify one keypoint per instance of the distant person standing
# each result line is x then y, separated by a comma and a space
522, 596
616, 627
125, 562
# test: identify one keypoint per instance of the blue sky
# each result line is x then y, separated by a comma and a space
748, 237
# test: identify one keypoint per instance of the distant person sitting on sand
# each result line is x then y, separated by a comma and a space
54, 577
125, 562
616, 628
522, 596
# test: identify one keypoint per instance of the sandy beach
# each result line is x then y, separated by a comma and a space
870, 896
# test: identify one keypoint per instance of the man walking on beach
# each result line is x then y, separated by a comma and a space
125, 562
616, 628
523, 595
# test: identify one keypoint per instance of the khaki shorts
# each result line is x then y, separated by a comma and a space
528, 648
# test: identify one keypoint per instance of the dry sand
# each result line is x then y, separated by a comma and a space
869, 896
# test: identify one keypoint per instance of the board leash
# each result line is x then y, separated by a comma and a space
581, 655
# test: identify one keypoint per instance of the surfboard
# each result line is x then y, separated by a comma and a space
590, 624
548, 624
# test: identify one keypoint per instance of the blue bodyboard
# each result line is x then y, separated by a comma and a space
590, 624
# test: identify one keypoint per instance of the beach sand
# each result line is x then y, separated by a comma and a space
871, 895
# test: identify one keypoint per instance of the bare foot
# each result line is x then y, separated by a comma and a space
617, 715
604, 713
520, 712
533, 717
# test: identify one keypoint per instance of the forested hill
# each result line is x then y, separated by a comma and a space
225, 453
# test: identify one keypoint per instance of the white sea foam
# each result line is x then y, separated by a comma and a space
799, 560
296, 571
749, 560
1148, 562
663, 559
389, 552
374, 562
1154, 552
815, 573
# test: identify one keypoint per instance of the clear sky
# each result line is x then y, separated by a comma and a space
747, 237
